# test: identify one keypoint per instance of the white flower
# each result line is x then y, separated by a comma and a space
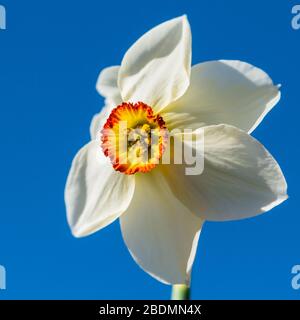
162, 211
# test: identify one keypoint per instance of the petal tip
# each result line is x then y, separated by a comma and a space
274, 204
76, 234
184, 18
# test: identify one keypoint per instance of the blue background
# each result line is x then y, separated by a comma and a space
50, 57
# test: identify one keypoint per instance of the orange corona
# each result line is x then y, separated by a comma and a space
134, 138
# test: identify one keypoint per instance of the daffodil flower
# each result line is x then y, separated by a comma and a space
161, 209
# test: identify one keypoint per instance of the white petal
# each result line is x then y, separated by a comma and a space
107, 85
98, 122
231, 92
95, 193
240, 178
160, 233
156, 69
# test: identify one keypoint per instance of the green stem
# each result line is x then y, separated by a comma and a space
180, 292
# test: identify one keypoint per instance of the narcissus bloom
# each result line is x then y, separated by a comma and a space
161, 209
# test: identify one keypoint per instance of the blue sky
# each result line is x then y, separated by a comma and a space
50, 57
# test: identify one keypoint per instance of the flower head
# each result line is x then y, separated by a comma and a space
119, 174
134, 138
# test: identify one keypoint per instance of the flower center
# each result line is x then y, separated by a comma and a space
134, 138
